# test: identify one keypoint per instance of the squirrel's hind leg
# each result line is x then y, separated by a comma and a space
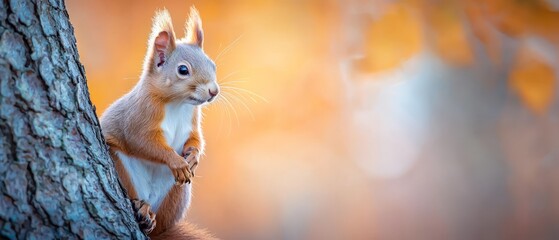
142, 210
144, 216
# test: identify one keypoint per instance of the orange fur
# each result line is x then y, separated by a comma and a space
195, 140
184, 231
174, 206
123, 175
132, 125
140, 135
171, 211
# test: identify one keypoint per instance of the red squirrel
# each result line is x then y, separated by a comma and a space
154, 133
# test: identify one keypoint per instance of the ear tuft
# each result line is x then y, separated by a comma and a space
194, 32
162, 40
162, 21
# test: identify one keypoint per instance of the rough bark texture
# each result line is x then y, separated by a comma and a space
56, 177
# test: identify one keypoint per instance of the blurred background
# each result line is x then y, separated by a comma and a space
375, 119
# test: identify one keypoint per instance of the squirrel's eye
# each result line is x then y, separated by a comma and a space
183, 70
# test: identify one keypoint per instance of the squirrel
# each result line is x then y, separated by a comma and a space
154, 133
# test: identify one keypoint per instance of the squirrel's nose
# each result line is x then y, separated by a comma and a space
213, 94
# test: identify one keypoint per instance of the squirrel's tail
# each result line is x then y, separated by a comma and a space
184, 231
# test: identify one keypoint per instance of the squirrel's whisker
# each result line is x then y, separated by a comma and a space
247, 91
218, 104
232, 83
225, 110
229, 47
241, 93
236, 98
230, 118
228, 76
232, 108
242, 96
235, 81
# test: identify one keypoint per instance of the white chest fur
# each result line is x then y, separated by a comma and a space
177, 124
152, 181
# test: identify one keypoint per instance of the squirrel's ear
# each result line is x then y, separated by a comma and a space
162, 41
194, 32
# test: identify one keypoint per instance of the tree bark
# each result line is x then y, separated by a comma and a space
56, 177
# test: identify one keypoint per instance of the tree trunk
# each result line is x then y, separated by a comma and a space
56, 177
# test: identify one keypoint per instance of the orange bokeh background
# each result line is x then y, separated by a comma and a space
361, 119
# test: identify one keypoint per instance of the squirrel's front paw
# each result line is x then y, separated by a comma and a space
182, 173
144, 216
192, 156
